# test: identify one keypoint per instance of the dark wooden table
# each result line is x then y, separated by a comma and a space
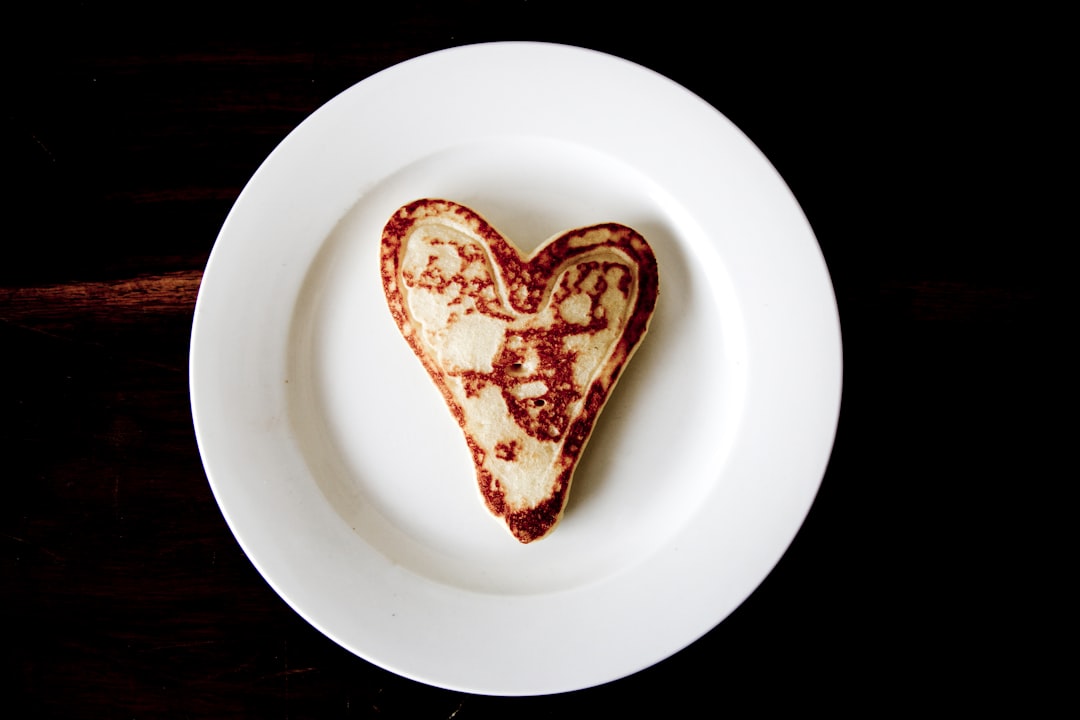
125, 142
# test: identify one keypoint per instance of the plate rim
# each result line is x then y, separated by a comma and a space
197, 363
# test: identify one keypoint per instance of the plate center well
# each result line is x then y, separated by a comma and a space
381, 445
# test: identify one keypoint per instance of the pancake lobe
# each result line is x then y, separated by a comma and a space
525, 350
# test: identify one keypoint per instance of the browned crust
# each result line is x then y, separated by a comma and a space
528, 280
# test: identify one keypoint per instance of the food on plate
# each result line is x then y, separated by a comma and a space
525, 349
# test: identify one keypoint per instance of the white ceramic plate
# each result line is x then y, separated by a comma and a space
343, 475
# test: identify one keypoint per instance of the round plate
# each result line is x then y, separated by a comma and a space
342, 473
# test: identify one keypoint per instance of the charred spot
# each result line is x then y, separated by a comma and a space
535, 523
473, 383
507, 450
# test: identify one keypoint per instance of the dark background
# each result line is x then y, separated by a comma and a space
918, 146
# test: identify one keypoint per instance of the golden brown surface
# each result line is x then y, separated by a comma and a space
525, 350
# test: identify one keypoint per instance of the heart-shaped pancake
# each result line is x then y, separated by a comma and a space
525, 350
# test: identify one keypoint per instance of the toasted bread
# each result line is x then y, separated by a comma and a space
525, 350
